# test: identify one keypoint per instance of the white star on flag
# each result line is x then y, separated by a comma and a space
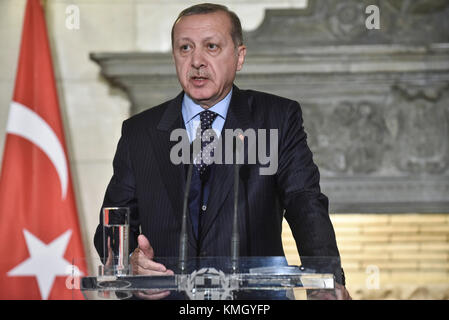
46, 261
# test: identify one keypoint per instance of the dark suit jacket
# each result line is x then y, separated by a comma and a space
152, 186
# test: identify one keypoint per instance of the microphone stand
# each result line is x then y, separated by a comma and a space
235, 238
183, 237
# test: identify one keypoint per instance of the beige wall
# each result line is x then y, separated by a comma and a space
390, 256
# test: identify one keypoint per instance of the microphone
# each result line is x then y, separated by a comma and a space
183, 237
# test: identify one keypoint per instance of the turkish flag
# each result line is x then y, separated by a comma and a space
41, 250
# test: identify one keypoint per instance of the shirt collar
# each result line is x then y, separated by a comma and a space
190, 109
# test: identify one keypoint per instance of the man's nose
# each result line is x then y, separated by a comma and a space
198, 59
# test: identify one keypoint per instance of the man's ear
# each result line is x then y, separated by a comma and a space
241, 53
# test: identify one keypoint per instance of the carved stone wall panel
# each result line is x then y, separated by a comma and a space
375, 102
342, 22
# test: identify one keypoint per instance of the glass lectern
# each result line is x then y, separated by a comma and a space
221, 278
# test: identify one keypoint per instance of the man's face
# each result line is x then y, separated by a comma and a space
205, 56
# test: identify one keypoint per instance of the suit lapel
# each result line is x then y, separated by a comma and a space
173, 176
238, 117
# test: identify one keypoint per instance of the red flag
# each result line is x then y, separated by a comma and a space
40, 239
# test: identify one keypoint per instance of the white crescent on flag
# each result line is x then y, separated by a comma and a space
24, 122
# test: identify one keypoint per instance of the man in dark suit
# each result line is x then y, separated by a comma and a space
208, 51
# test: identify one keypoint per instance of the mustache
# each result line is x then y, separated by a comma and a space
198, 74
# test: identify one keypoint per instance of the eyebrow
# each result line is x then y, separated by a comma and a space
183, 39
205, 39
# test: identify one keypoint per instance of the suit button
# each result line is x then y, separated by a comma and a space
204, 207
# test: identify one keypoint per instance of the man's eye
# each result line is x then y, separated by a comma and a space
185, 47
212, 46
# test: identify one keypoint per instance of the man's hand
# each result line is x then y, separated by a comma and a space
340, 293
142, 264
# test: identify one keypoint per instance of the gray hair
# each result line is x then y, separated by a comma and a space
204, 8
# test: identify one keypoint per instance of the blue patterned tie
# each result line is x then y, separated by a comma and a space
207, 118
